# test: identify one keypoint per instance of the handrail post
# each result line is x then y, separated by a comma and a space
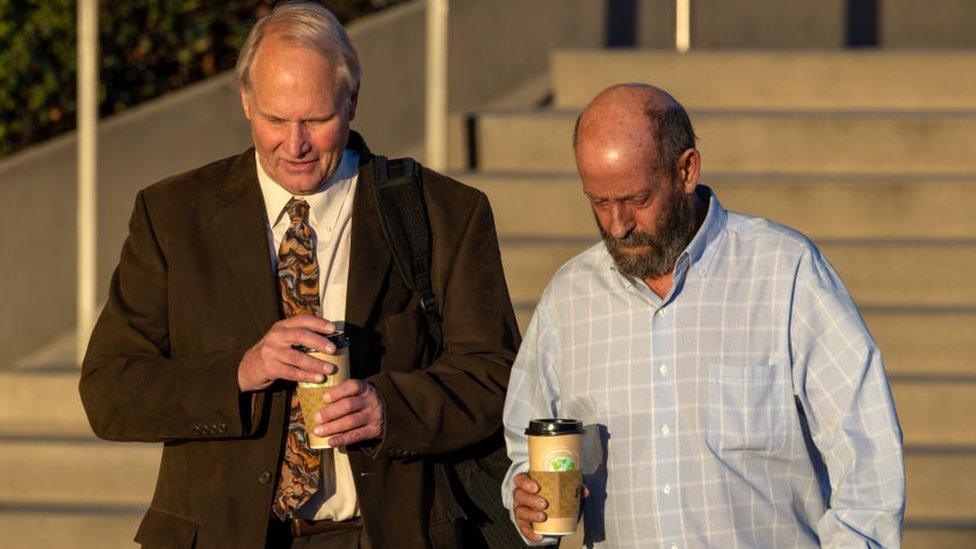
682, 27
435, 131
87, 169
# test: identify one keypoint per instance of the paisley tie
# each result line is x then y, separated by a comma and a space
298, 284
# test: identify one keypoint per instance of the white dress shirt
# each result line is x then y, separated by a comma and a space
330, 215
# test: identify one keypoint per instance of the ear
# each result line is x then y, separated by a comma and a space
689, 164
246, 104
353, 103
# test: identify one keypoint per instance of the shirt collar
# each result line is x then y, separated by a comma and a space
701, 250
698, 254
276, 196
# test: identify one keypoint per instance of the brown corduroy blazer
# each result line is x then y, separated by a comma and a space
194, 289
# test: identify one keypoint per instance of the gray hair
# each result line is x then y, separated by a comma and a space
313, 26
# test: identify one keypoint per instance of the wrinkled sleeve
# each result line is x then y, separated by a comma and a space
841, 385
130, 387
532, 394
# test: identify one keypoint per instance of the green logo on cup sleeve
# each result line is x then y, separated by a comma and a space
562, 461
563, 464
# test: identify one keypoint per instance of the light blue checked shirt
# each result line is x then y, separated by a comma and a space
748, 408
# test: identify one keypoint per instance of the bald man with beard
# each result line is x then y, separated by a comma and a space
731, 392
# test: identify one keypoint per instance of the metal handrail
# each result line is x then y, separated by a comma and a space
435, 131
87, 172
682, 26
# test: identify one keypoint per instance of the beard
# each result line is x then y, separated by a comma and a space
660, 250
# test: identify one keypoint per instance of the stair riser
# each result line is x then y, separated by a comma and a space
776, 80
80, 472
869, 208
742, 142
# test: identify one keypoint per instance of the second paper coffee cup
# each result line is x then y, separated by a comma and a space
310, 394
555, 446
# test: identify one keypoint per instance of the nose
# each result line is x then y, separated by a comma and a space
621, 220
297, 142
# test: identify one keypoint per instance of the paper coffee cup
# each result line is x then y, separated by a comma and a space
555, 447
310, 394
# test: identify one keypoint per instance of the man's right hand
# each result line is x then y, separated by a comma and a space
528, 506
274, 357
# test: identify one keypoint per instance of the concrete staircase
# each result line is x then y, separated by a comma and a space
61, 486
872, 154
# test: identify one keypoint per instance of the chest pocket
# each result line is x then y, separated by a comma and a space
749, 408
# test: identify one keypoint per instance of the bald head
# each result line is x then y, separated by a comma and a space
634, 122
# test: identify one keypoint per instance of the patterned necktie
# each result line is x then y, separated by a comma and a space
298, 283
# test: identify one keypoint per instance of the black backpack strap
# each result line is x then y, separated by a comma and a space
397, 187
469, 480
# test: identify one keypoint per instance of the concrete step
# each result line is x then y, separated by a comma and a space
820, 206
780, 79
42, 401
939, 536
77, 471
755, 142
918, 341
941, 486
68, 528
877, 272
937, 412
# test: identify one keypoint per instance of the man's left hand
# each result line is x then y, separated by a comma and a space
353, 413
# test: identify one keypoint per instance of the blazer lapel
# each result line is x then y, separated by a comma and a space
370, 260
241, 235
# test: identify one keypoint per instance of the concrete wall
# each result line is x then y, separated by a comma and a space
38, 201
768, 23
808, 23
927, 23
745, 23
495, 46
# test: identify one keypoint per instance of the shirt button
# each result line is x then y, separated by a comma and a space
264, 477
663, 369
663, 311
666, 489
665, 430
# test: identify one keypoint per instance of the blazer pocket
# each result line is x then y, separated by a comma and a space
162, 529
444, 534
748, 408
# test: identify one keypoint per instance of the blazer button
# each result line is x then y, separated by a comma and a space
264, 477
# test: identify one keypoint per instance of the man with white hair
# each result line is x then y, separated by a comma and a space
231, 269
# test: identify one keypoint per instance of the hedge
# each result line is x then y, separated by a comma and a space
146, 48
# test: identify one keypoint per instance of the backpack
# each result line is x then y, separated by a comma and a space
470, 479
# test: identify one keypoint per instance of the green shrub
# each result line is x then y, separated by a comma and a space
146, 48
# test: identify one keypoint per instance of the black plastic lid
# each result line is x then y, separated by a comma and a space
554, 427
338, 338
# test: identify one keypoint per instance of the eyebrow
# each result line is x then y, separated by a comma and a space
313, 118
638, 194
